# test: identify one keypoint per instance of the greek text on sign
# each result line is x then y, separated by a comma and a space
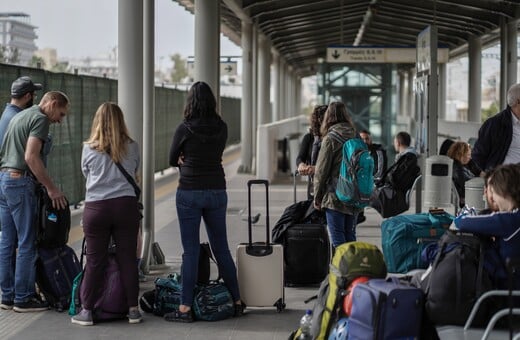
342, 54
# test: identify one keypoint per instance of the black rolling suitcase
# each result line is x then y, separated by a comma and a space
302, 230
306, 254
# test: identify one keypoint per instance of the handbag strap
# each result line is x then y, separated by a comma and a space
129, 179
205, 247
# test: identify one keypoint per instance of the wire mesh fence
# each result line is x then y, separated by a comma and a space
86, 93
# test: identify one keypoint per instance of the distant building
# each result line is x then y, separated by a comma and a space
49, 57
17, 35
104, 65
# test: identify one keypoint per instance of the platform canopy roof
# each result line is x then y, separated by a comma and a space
301, 30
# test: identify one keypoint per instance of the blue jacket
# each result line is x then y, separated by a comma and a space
505, 227
494, 139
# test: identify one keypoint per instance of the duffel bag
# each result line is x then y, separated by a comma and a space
213, 302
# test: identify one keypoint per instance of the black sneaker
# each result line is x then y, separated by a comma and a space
32, 305
6, 305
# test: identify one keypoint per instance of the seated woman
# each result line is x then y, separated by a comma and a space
503, 226
460, 152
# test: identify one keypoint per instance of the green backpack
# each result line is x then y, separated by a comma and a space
351, 260
167, 294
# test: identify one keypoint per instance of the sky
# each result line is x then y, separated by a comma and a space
89, 27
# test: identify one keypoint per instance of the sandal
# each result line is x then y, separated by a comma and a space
239, 309
178, 316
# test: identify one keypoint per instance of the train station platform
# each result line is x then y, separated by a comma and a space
256, 324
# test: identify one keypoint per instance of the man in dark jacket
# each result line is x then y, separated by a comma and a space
499, 137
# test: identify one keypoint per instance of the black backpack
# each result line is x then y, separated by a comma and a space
456, 280
402, 173
53, 225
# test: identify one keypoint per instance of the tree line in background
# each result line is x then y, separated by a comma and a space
9, 55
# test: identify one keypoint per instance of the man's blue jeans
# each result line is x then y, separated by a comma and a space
342, 227
17, 215
210, 205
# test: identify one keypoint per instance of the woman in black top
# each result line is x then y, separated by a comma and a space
310, 146
196, 150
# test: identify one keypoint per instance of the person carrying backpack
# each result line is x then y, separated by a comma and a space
341, 217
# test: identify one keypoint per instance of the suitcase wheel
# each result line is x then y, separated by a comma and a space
280, 305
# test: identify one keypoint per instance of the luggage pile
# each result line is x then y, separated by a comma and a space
357, 301
57, 264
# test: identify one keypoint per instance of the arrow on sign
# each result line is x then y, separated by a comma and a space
335, 54
228, 68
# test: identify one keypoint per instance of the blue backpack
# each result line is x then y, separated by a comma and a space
356, 174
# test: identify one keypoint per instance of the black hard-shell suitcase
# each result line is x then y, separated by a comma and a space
55, 271
306, 254
302, 230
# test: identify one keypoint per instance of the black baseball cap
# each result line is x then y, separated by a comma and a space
24, 85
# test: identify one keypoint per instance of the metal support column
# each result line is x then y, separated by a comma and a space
264, 80
246, 107
148, 222
431, 145
503, 62
298, 96
512, 52
401, 93
283, 93
410, 109
443, 89
288, 90
276, 86
207, 45
130, 61
474, 79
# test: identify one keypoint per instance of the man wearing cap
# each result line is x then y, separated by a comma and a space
21, 165
22, 97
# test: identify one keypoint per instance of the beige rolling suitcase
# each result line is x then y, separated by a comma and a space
260, 265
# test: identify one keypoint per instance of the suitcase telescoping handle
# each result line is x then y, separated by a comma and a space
250, 183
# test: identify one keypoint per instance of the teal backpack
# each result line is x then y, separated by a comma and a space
356, 174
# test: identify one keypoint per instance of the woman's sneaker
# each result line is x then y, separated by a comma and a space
6, 305
83, 318
32, 305
134, 316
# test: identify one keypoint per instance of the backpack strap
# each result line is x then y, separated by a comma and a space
337, 137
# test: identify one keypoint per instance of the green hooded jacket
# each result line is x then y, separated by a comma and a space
327, 170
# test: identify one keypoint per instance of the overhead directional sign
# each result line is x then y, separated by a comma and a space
227, 68
377, 54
